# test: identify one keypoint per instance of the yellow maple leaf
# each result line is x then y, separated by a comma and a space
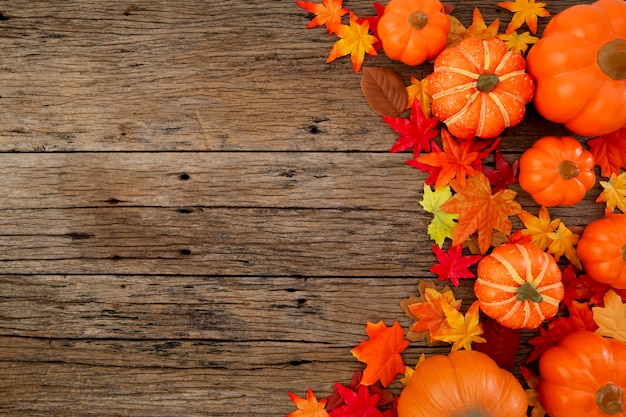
418, 90
614, 193
457, 31
443, 223
531, 393
611, 318
518, 42
564, 243
308, 407
463, 329
355, 41
408, 371
524, 11
479, 29
540, 229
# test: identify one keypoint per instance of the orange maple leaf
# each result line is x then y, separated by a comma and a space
609, 152
327, 13
418, 90
480, 211
429, 314
308, 407
524, 11
455, 160
355, 41
479, 29
381, 353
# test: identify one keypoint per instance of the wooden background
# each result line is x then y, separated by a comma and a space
197, 213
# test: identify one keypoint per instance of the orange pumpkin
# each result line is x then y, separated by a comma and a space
602, 250
479, 88
464, 383
519, 285
579, 66
413, 31
556, 171
583, 376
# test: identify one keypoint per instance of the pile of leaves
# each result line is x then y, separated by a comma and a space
471, 207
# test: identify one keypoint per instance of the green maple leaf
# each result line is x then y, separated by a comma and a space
442, 224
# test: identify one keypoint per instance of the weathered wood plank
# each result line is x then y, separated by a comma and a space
190, 75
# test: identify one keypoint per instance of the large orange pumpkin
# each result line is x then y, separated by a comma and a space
464, 383
519, 285
479, 88
579, 66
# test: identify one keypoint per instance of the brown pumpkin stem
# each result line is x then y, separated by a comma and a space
418, 20
624, 252
528, 293
611, 59
487, 82
568, 170
610, 399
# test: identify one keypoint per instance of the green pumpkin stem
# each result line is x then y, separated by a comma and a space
487, 82
418, 20
610, 399
528, 293
568, 170
611, 59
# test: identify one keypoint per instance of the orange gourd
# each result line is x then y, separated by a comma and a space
519, 285
583, 376
579, 66
556, 171
602, 250
464, 383
413, 31
479, 88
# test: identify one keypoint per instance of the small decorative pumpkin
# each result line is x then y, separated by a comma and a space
579, 66
583, 376
413, 31
556, 171
602, 250
519, 285
464, 383
479, 88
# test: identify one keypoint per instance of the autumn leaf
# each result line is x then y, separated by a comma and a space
614, 193
541, 228
335, 400
417, 132
524, 11
609, 152
355, 41
418, 90
463, 330
408, 371
453, 265
429, 315
381, 353
328, 13
518, 42
480, 211
373, 22
479, 29
532, 380
501, 343
384, 91
611, 317
504, 174
457, 32
308, 407
564, 243
433, 172
357, 404
442, 224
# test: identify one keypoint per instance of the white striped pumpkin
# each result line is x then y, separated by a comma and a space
479, 88
519, 285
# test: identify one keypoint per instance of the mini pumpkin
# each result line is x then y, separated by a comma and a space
479, 88
583, 376
519, 285
413, 31
602, 250
579, 66
556, 171
463, 383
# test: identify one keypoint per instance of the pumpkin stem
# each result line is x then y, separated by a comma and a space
611, 59
528, 293
418, 20
486, 82
624, 252
610, 399
568, 170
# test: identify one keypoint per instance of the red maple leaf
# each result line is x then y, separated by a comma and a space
381, 353
609, 152
416, 132
433, 172
453, 264
357, 404
373, 21
504, 174
582, 288
502, 343
335, 400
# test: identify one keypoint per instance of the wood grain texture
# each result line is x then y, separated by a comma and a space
197, 214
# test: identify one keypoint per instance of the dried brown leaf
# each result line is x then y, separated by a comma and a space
384, 91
